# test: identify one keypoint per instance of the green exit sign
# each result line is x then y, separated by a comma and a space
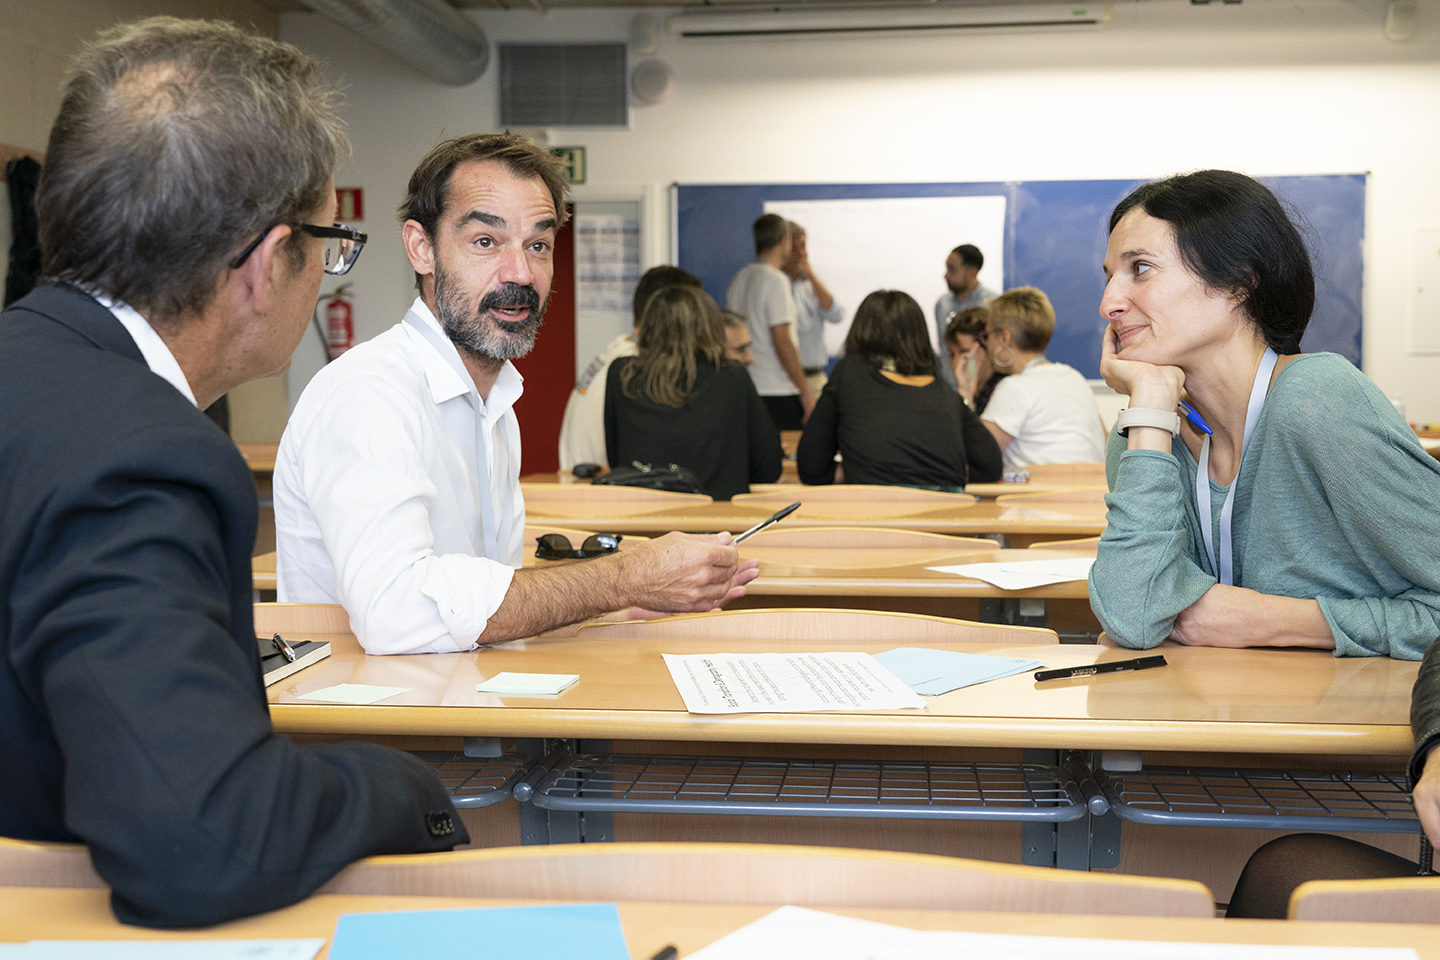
572, 159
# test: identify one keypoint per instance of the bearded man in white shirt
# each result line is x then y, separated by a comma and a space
397, 487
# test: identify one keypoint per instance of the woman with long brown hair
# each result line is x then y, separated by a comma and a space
680, 401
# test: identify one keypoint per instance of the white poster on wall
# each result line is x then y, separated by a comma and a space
861, 245
607, 266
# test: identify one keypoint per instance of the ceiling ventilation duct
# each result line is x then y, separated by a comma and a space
891, 18
429, 35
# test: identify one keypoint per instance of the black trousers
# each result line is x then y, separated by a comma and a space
786, 412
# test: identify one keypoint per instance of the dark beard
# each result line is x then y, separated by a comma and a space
482, 332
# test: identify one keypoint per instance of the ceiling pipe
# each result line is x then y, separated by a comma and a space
429, 35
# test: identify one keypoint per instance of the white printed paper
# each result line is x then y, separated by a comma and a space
1023, 574
796, 932
787, 683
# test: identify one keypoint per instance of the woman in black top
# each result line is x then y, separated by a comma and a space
681, 401
883, 409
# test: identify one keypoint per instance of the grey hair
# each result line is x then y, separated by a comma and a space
179, 141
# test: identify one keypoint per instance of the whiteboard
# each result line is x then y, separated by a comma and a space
860, 245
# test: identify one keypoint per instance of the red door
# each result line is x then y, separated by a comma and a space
549, 369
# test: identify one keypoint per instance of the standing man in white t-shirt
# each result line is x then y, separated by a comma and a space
760, 293
1043, 412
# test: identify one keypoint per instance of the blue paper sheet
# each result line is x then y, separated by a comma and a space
590, 930
933, 672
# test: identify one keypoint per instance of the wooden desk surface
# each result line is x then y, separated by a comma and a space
892, 572
260, 456
32, 913
1072, 519
1207, 699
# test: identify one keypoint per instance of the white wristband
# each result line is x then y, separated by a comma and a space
1167, 420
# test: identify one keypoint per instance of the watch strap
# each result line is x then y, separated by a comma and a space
1167, 420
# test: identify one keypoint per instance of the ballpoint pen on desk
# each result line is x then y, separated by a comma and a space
667, 952
1195, 418
1114, 666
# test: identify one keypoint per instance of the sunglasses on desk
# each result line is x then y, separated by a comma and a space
557, 546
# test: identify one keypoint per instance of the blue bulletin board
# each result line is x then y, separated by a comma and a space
1055, 235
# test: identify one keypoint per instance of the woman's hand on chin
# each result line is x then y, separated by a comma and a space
1146, 384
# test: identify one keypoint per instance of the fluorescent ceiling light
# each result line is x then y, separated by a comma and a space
890, 19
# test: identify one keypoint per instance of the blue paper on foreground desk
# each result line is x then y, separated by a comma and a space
590, 930
933, 672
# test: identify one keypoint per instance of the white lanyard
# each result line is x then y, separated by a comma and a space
1226, 567
489, 527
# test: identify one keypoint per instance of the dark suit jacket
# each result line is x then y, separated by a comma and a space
132, 713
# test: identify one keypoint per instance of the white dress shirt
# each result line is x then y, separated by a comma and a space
157, 356
397, 492
810, 320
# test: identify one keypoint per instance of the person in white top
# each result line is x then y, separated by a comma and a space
397, 487
761, 294
1044, 412
582, 431
815, 306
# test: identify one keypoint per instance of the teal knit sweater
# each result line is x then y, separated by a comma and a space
1337, 502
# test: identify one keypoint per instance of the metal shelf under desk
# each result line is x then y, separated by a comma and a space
477, 781
805, 788
1328, 801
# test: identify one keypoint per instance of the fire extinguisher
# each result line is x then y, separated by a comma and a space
339, 322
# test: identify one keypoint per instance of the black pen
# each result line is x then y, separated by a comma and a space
669, 952
1114, 666
779, 515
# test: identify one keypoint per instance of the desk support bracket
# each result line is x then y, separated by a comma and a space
539, 826
1084, 844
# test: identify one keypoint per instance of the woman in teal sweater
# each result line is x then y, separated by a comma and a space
1305, 518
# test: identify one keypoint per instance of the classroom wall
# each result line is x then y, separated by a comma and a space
1310, 86
37, 40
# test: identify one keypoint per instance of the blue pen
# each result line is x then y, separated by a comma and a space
1195, 418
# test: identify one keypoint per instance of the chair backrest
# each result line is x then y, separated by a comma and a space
300, 618
32, 863
1401, 900
815, 625
580, 499
1086, 544
854, 493
1068, 472
863, 537
736, 873
1089, 496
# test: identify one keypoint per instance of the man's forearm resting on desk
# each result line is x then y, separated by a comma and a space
677, 573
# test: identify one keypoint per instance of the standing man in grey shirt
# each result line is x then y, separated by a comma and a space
761, 294
962, 277
815, 306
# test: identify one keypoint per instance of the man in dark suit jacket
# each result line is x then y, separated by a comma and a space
132, 712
